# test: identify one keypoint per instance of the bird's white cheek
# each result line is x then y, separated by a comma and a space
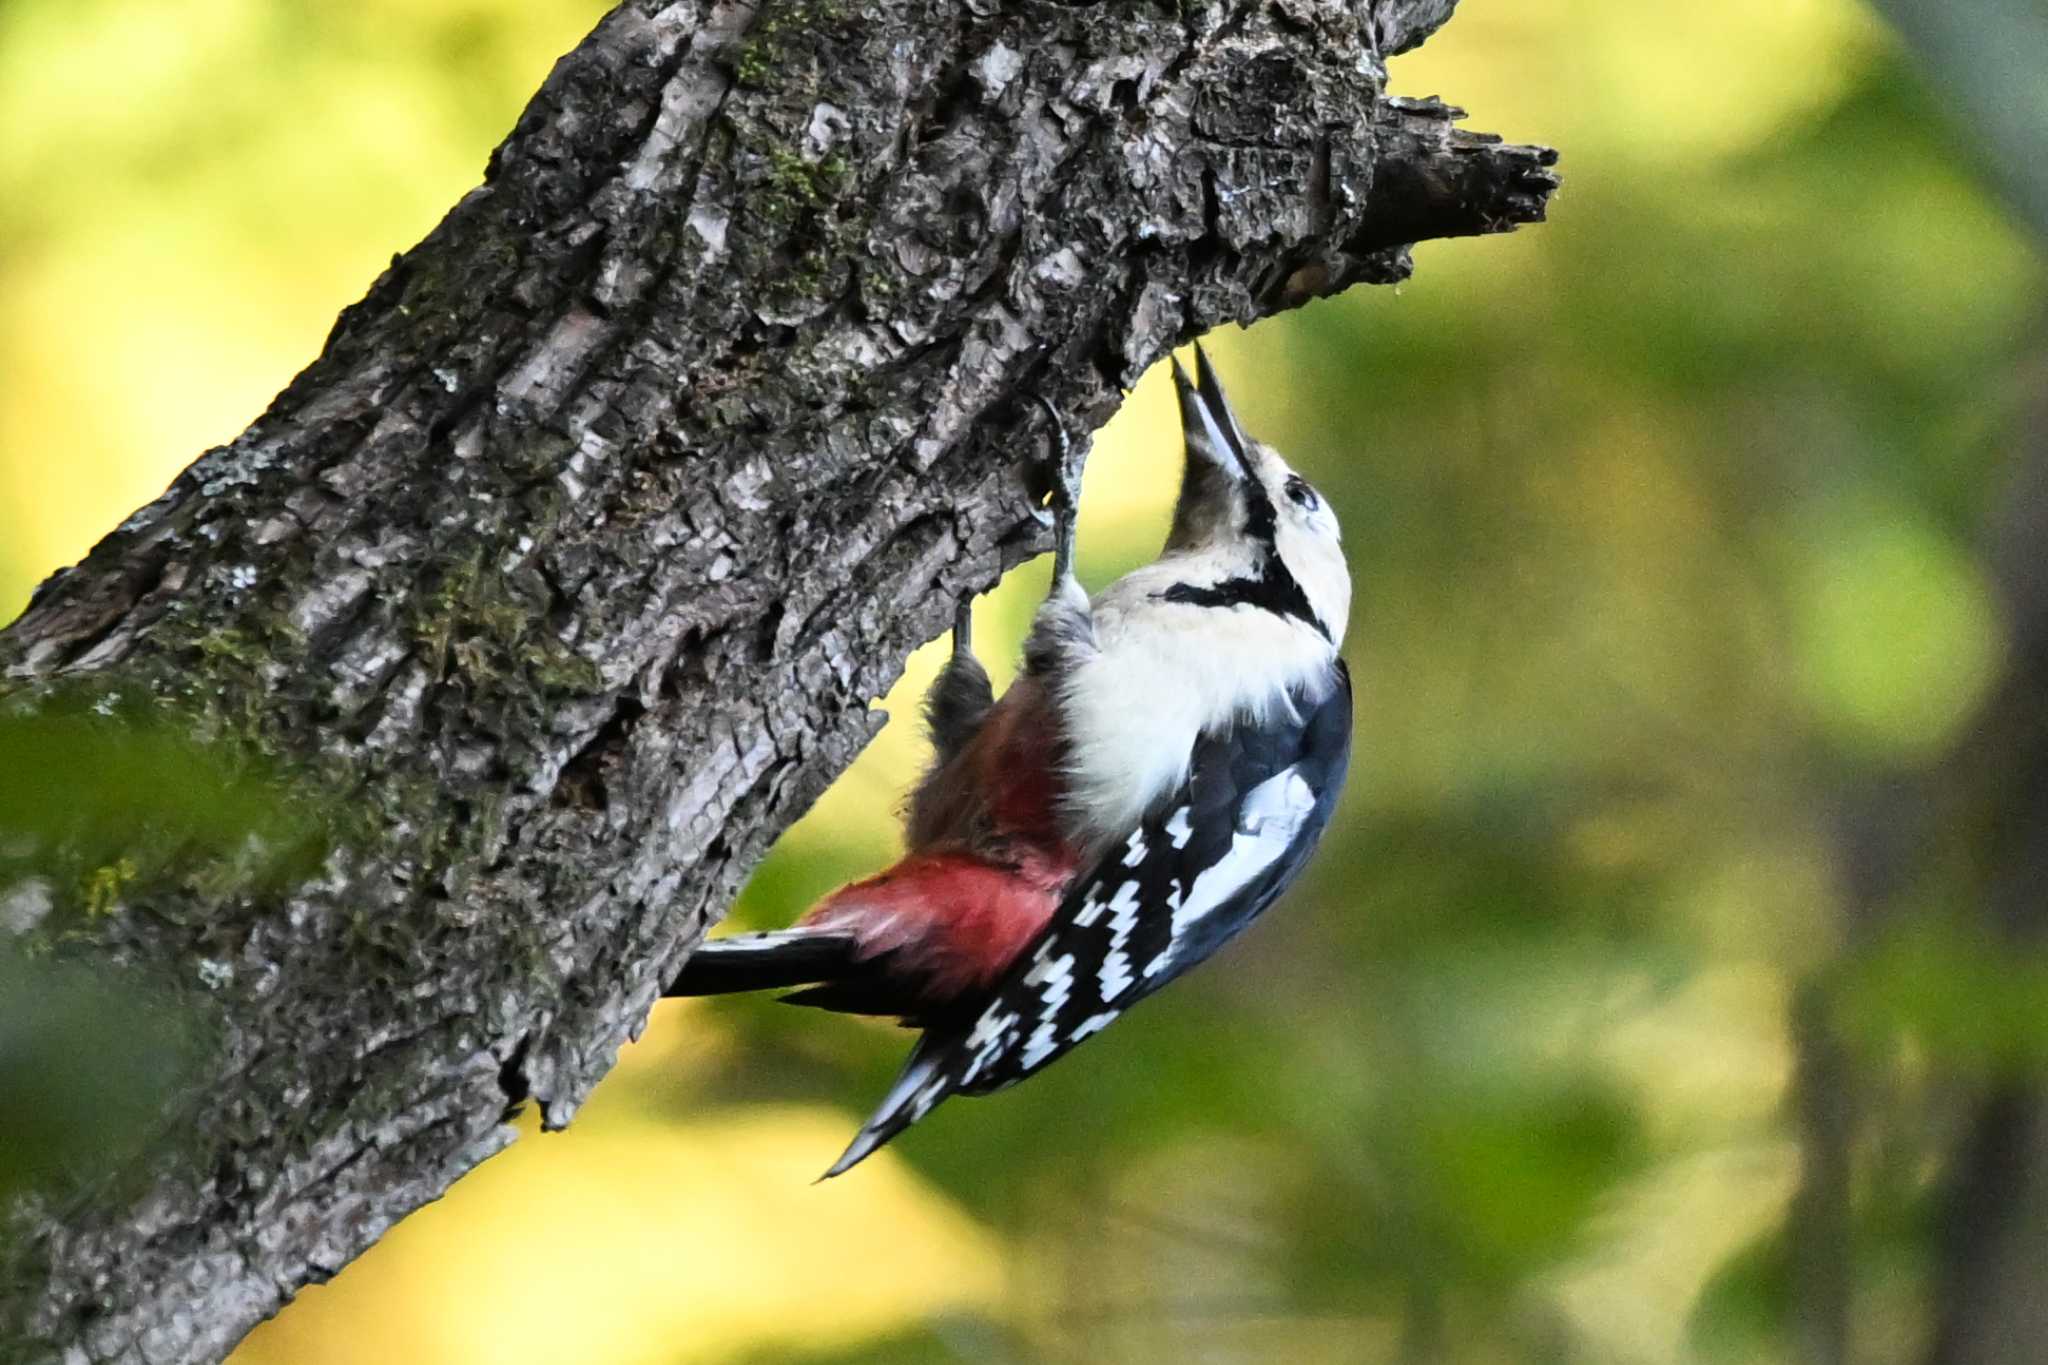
1317, 563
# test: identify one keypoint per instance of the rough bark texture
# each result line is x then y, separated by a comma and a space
574, 561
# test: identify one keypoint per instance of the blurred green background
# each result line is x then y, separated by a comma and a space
1668, 522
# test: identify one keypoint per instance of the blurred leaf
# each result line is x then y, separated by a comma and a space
99, 799
1942, 982
1465, 1189
1515, 1179
1987, 55
1897, 629
1746, 1315
86, 1064
1743, 1312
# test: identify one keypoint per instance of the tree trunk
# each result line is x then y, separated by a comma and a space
1990, 1293
1980, 806
571, 565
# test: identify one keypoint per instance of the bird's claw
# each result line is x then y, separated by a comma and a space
1063, 503
963, 624
1068, 468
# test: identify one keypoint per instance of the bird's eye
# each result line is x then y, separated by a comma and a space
1300, 493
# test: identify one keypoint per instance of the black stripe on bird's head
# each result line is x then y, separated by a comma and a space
1249, 518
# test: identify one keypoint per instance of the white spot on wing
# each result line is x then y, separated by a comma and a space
1054, 976
991, 1034
1284, 800
1134, 851
1095, 1023
1271, 816
990, 1028
1116, 964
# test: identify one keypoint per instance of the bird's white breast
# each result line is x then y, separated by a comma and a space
1164, 674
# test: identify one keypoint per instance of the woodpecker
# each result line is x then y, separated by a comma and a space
1157, 775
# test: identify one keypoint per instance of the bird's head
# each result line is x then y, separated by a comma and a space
1268, 533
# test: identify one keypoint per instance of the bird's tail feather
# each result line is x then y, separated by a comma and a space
754, 962
921, 1086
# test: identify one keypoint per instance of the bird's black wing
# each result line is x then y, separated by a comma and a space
1186, 881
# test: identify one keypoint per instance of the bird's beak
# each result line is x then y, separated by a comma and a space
1207, 424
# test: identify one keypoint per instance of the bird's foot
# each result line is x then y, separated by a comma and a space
963, 624
1063, 503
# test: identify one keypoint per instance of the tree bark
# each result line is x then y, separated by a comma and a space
572, 564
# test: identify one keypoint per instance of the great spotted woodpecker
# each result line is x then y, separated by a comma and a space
1157, 775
